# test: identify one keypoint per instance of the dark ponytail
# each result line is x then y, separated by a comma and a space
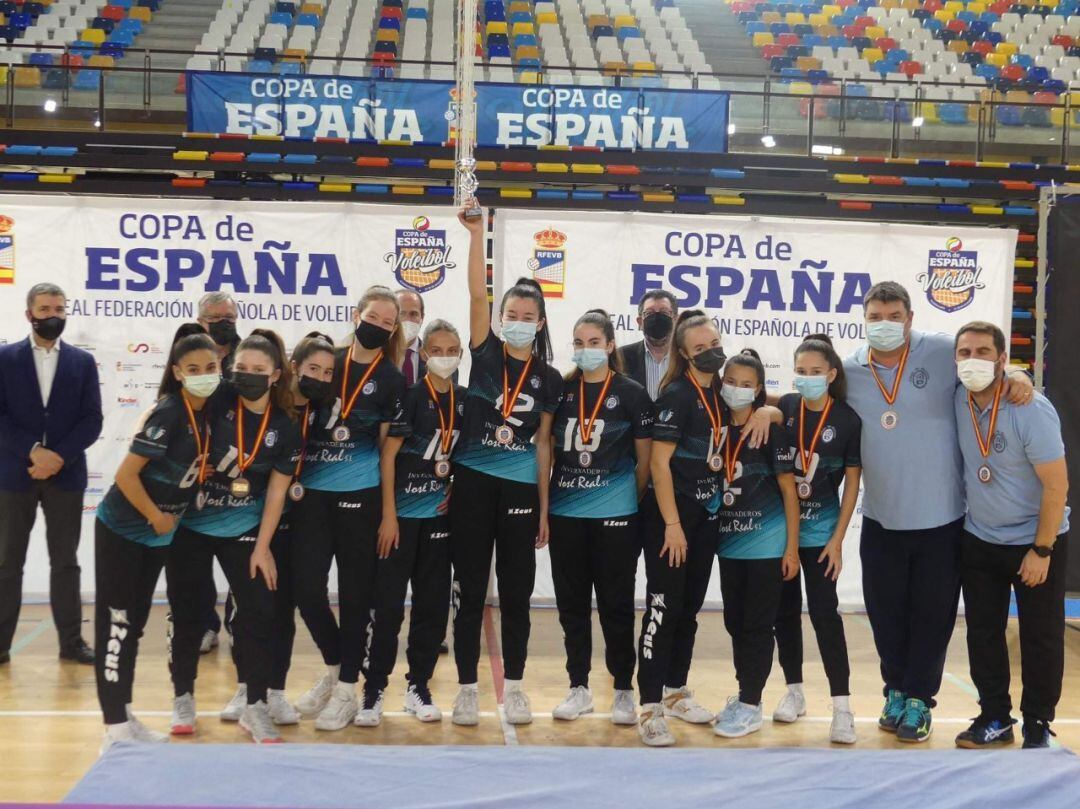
749, 358
678, 365
189, 337
602, 321
823, 345
270, 343
530, 289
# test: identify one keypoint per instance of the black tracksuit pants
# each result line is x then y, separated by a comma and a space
751, 591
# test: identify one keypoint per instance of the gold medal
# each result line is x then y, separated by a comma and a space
240, 488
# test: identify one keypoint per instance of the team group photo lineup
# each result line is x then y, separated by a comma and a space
427, 459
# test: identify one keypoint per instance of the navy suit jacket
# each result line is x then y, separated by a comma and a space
71, 423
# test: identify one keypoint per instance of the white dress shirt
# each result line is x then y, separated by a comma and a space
45, 360
654, 373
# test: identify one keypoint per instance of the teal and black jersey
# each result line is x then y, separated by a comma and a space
598, 479
681, 419
754, 525
352, 464
170, 476
837, 448
217, 513
418, 490
479, 449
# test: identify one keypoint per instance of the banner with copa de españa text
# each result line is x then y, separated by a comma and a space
767, 283
508, 115
134, 269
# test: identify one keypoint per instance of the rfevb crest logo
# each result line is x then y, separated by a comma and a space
421, 256
548, 262
952, 276
7, 250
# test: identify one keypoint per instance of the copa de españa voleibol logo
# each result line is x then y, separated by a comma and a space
952, 276
421, 256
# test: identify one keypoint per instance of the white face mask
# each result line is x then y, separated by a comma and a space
737, 398
443, 367
410, 329
976, 375
201, 385
885, 335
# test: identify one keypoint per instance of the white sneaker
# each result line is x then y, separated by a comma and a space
142, 733
370, 713
680, 703
314, 700
842, 730
466, 707
122, 733
577, 703
209, 641
256, 721
737, 719
419, 703
340, 709
281, 710
623, 710
653, 728
183, 716
235, 709
791, 706
516, 708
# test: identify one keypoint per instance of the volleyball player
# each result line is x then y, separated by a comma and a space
340, 512
759, 541
501, 476
312, 366
414, 537
602, 437
823, 438
254, 447
156, 482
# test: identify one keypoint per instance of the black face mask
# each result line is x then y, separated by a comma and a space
710, 360
371, 336
314, 390
48, 328
657, 325
250, 386
223, 332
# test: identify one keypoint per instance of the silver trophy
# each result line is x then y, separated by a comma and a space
465, 182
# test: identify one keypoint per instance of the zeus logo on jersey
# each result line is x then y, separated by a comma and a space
118, 630
517, 511
656, 619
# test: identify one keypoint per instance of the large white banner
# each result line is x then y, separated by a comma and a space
134, 269
767, 282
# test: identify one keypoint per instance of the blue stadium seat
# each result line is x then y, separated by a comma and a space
308, 19
416, 13
113, 49
265, 55
498, 50
525, 41
87, 79
259, 66
284, 7
41, 59
289, 68
389, 24
281, 18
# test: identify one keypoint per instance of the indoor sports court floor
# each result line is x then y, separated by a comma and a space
50, 726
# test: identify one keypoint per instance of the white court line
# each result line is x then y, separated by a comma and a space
510, 738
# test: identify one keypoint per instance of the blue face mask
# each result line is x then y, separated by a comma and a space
518, 333
812, 387
885, 335
737, 398
589, 359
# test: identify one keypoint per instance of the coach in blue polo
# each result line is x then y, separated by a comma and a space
1014, 541
50, 413
902, 384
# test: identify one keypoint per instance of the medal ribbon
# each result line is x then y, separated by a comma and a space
508, 400
585, 428
732, 459
202, 442
346, 407
890, 397
984, 445
242, 462
446, 425
805, 456
303, 442
715, 418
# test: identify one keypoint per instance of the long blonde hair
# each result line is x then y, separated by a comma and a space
395, 349
678, 365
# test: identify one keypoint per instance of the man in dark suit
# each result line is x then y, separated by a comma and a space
50, 413
646, 361
411, 306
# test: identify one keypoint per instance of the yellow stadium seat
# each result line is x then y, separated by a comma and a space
1007, 48
795, 18
996, 59
771, 16
944, 16
614, 68
520, 5
958, 46
547, 18
874, 32
817, 19
496, 27
522, 28
871, 55
311, 8
598, 19
140, 13
977, 8
762, 38
954, 6
801, 88
528, 77
294, 55
94, 61
388, 35
644, 68
626, 21
805, 63
831, 10
95, 35
27, 77
527, 52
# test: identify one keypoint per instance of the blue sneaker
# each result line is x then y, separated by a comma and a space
1036, 733
985, 732
737, 719
894, 708
914, 722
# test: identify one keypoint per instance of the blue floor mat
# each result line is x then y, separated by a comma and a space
433, 777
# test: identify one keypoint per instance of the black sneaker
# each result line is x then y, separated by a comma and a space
986, 732
1036, 733
915, 723
79, 652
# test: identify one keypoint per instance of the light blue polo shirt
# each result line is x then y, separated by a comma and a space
913, 473
1005, 511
